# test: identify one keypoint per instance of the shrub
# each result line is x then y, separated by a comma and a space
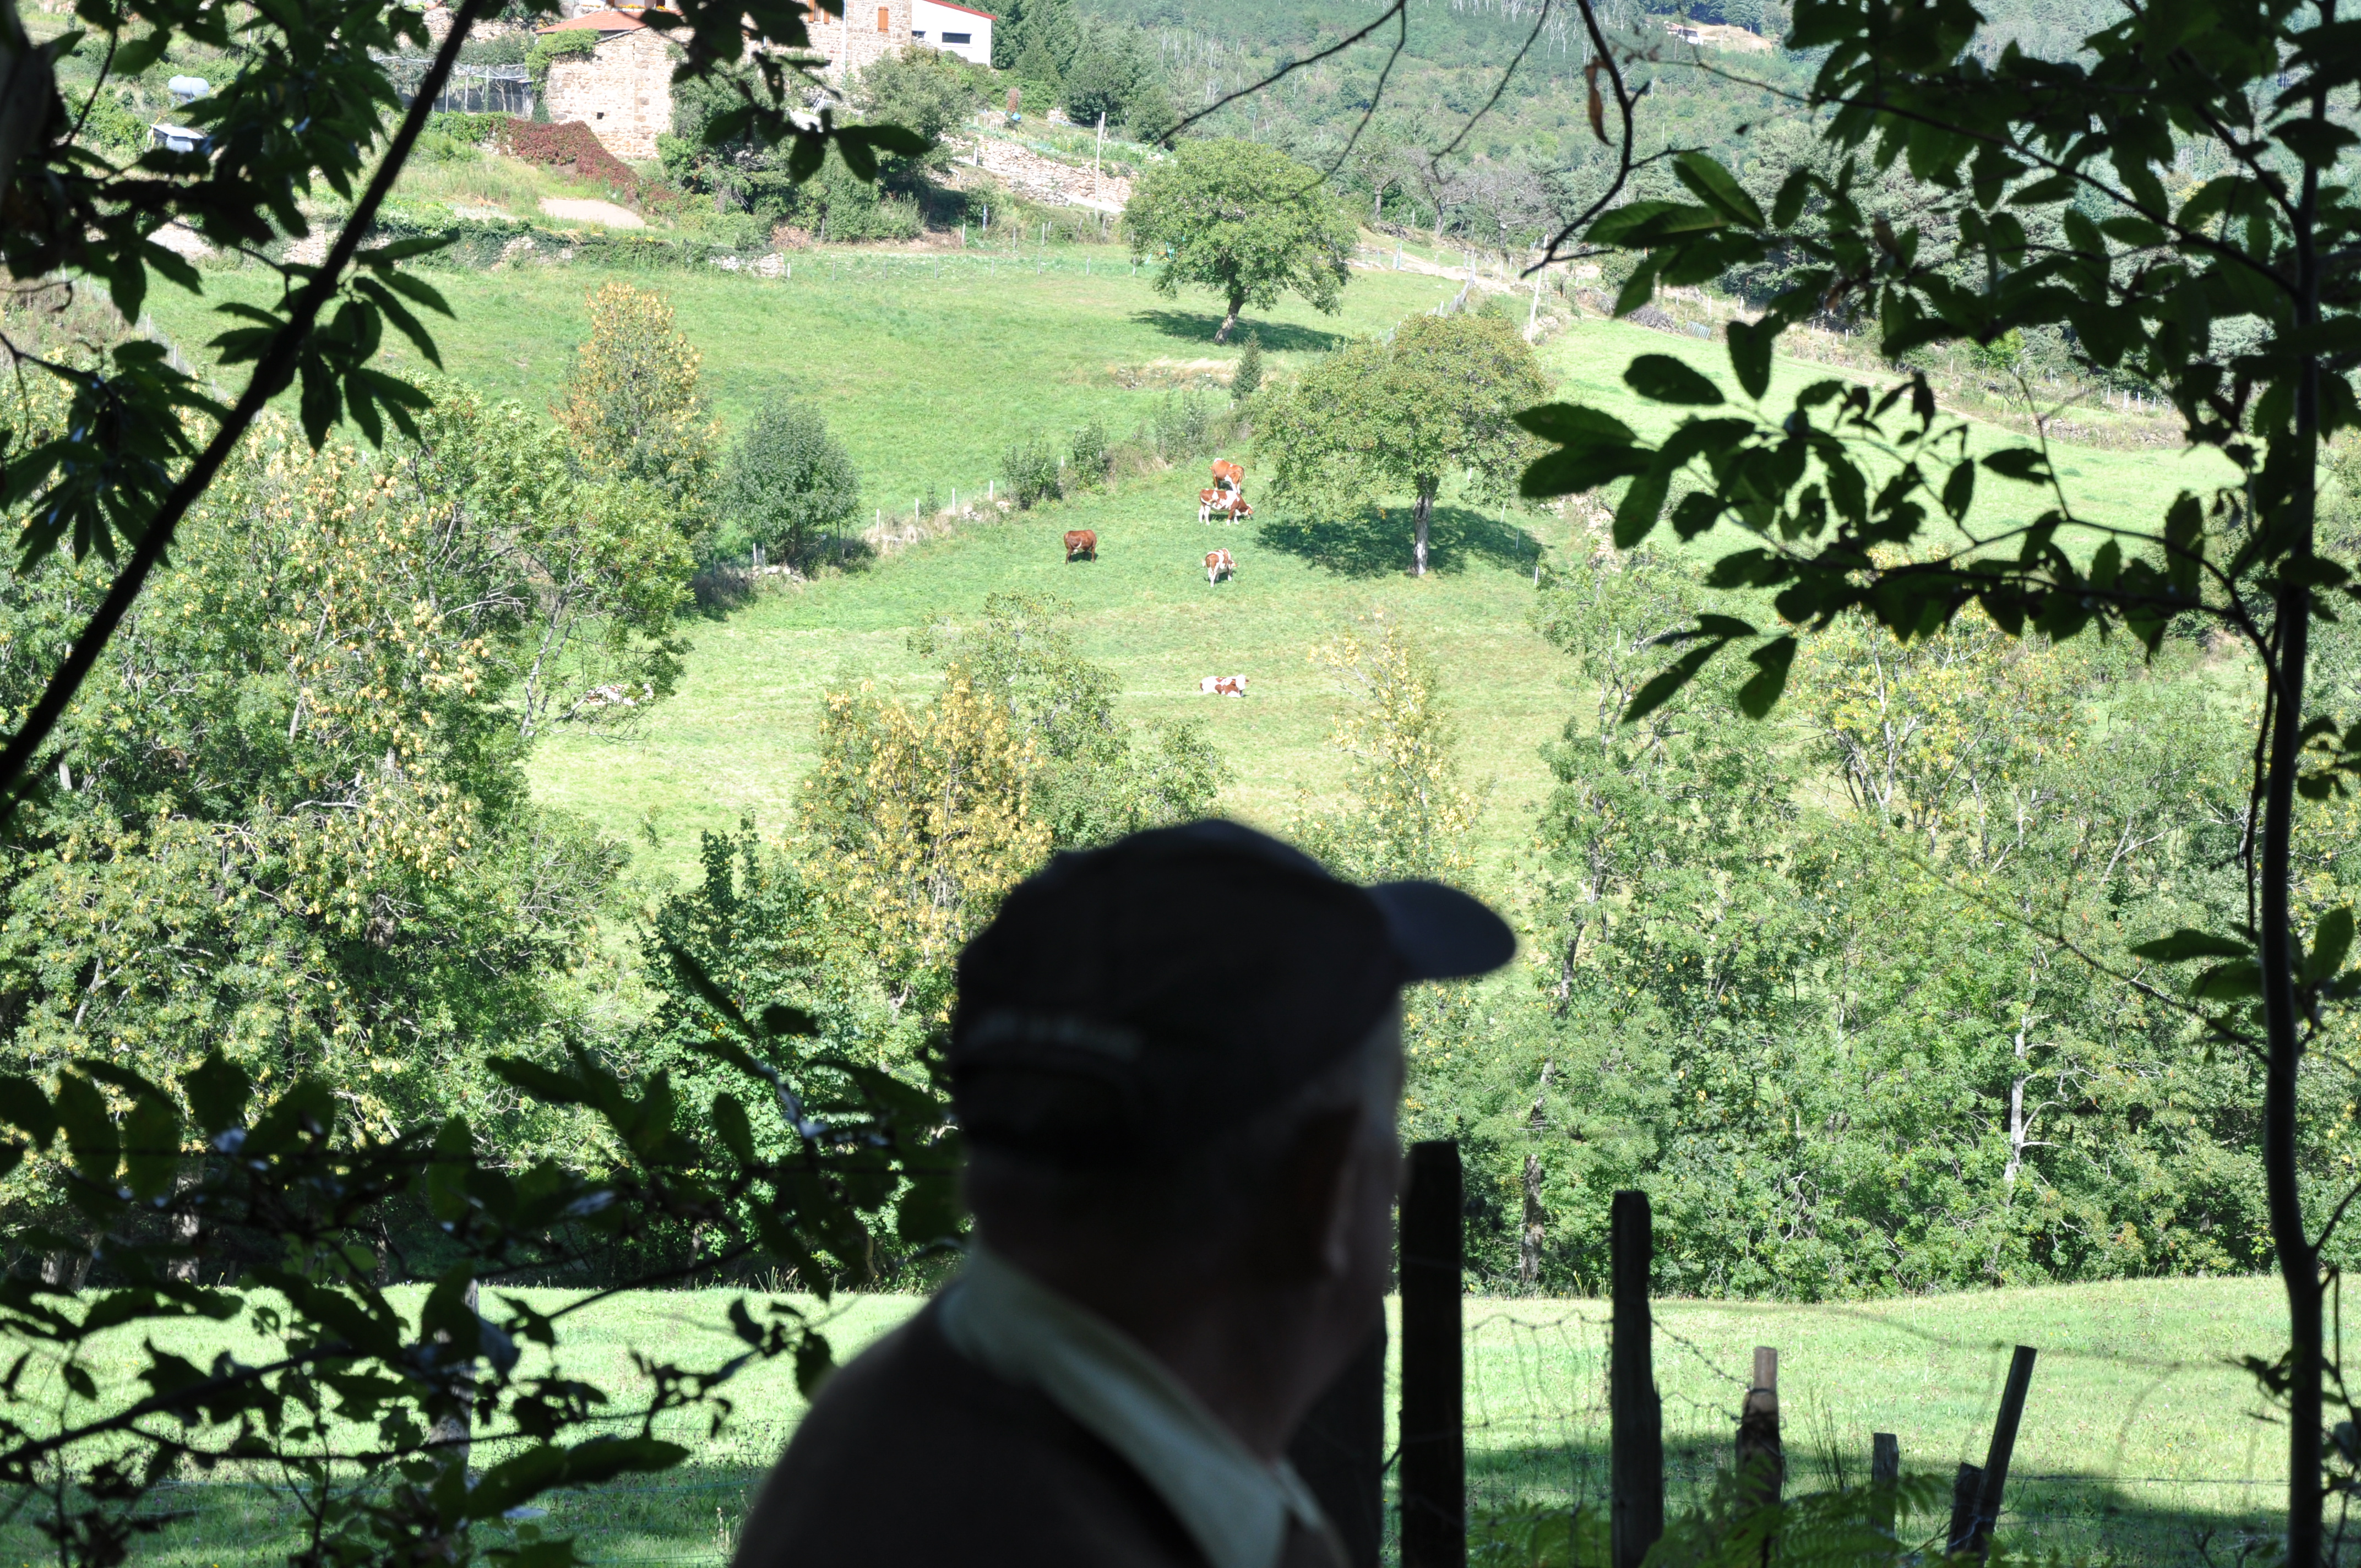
789, 482
1088, 455
1184, 425
1031, 469
573, 147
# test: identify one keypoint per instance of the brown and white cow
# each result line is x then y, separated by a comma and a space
1082, 542
1218, 565
1222, 685
1228, 505
1228, 475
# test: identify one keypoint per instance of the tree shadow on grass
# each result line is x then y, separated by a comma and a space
1379, 542
1198, 326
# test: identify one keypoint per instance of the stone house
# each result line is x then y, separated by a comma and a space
869, 30
622, 90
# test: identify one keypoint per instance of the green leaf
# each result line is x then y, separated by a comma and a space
1662, 379
541, 1082
1575, 470
1763, 690
136, 55
2229, 982
1794, 192
24, 1107
2020, 463
1960, 489
729, 1123
1636, 517
151, 1147
779, 1019
89, 1130
2185, 943
1665, 686
1718, 189
217, 1090
2330, 944
1567, 424
1749, 354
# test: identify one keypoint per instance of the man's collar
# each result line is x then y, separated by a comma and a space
1237, 1508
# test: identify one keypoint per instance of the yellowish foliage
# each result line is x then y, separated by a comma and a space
634, 405
1406, 813
921, 821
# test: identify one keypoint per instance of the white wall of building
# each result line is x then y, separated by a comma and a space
965, 32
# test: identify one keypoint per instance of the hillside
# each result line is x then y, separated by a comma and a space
928, 376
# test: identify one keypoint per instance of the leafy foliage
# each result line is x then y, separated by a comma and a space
1243, 220
1439, 397
789, 482
2178, 174
635, 407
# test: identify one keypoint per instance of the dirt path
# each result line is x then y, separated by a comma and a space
583, 210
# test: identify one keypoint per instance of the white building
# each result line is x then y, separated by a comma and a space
962, 29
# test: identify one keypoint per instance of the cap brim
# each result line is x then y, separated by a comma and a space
1443, 933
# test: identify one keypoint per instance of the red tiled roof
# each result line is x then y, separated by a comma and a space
971, 10
598, 21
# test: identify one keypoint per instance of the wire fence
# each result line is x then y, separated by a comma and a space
2127, 1455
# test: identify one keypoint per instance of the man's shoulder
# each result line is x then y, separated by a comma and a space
913, 1453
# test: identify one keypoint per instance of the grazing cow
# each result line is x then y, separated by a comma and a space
1228, 505
1228, 475
1218, 565
1082, 542
1222, 685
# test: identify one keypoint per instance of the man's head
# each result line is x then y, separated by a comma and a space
1179, 1057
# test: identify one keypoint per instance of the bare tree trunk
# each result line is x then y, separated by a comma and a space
184, 1231
1528, 1251
1424, 514
1238, 303
452, 1431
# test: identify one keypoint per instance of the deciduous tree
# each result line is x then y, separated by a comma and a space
1439, 398
1243, 220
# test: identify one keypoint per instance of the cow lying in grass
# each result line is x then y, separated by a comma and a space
1222, 685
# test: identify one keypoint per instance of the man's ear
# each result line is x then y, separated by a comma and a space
1304, 1235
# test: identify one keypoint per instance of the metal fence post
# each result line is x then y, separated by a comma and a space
1433, 1451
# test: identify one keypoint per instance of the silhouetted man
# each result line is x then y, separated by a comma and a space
1177, 1061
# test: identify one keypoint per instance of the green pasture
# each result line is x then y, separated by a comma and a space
929, 367
2140, 1439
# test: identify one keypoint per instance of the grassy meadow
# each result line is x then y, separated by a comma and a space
929, 367
2139, 1439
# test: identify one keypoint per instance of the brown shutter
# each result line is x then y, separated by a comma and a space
883, 14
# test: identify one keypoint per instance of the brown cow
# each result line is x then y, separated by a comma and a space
1228, 475
1218, 565
1081, 541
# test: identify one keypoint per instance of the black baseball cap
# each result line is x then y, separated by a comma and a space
1130, 1003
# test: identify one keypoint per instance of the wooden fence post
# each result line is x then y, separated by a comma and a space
1433, 1451
1635, 1416
1885, 1475
1964, 1487
2004, 1443
1762, 1462
1340, 1451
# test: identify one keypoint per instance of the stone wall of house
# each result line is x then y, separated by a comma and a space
858, 39
623, 93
